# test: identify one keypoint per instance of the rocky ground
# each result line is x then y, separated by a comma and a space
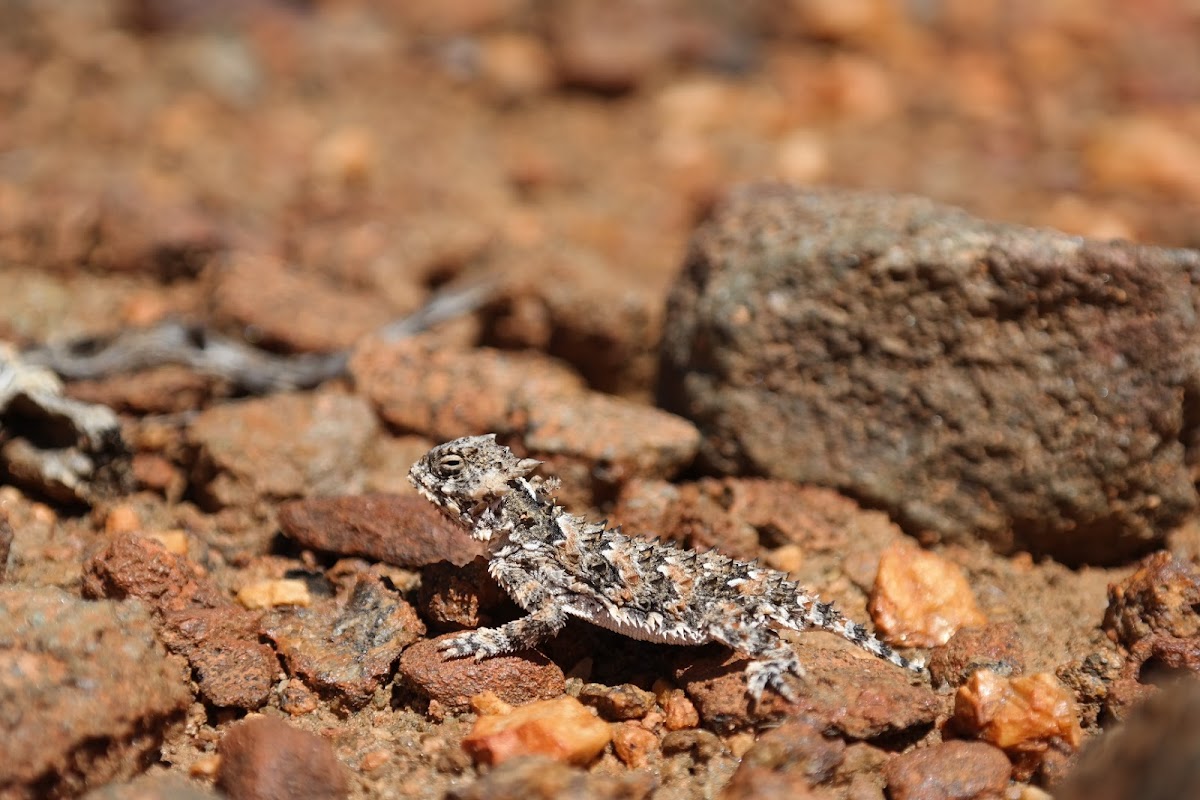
257, 257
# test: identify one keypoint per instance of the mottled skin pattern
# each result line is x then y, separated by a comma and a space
554, 565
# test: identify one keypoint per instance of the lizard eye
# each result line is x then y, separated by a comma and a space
450, 464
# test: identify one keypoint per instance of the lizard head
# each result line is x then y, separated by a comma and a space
467, 478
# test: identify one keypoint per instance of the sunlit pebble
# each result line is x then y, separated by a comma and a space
374, 760
122, 519
205, 767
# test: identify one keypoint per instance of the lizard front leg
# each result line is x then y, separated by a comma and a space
520, 634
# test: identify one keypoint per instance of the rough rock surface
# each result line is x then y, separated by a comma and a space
971, 378
69, 716
280, 447
345, 648
195, 619
451, 683
405, 530
1162, 596
993, 647
855, 694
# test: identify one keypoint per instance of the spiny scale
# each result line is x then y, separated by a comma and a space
555, 564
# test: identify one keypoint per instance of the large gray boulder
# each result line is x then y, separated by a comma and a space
973, 379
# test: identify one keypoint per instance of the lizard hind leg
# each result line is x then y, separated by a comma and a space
772, 659
520, 634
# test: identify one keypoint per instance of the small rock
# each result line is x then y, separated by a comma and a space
1162, 596
1152, 756
405, 530
71, 718
542, 778
949, 771
633, 744
264, 758
280, 447
195, 618
515, 678
345, 647
859, 695
611, 47
454, 598
679, 711
703, 745
993, 647
421, 387
1157, 659
1022, 716
791, 758
563, 729
596, 442
259, 294
232, 668
1090, 678
617, 703
297, 699
272, 593
920, 599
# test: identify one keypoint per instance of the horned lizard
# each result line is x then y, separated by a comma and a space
555, 564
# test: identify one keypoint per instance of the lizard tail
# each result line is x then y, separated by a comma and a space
823, 616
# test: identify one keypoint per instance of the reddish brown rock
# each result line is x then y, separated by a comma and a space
633, 744
859, 695
617, 703
405, 530
935, 366
1157, 659
137, 566
232, 668
261, 295
595, 442
789, 759
71, 720
345, 647
195, 619
517, 678
264, 758
280, 447
452, 598
992, 647
421, 387
561, 728
1162, 596
542, 778
949, 771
